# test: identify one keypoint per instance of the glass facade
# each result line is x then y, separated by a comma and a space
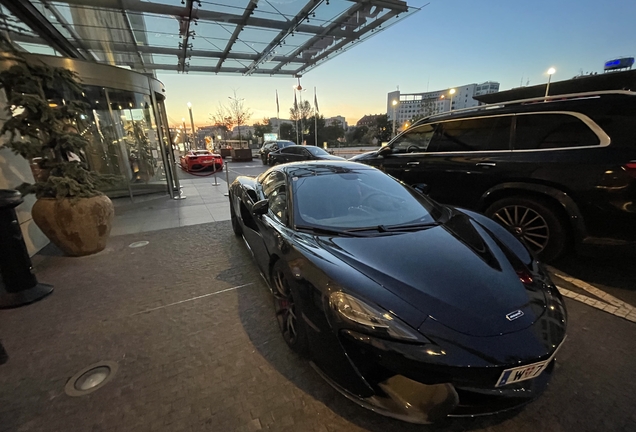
121, 127
124, 123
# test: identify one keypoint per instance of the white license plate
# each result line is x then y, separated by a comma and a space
522, 373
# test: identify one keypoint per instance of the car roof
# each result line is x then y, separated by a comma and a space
568, 102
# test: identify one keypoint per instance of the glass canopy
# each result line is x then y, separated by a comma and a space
270, 37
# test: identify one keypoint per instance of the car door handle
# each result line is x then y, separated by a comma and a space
490, 164
412, 163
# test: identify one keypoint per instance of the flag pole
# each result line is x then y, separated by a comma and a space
316, 117
296, 109
278, 114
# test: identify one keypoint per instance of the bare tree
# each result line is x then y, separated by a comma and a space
233, 113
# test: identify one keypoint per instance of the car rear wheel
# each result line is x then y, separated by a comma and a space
236, 225
288, 312
536, 222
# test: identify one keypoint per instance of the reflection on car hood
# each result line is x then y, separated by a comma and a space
362, 156
456, 273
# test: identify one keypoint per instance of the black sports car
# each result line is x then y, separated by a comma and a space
297, 153
410, 308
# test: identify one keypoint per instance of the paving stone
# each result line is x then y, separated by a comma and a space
192, 360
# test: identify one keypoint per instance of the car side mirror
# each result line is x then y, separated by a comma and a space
422, 188
384, 151
260, 207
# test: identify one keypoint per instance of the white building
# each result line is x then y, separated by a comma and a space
275, 123
409, 105
336, 121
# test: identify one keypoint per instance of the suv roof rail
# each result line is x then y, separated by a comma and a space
582, 95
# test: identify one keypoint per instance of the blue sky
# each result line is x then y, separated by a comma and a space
448, 43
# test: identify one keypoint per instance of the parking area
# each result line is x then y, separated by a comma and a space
190, 323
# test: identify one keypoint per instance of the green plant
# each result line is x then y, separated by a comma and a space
45, 116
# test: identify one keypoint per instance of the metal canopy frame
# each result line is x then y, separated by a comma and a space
105, 31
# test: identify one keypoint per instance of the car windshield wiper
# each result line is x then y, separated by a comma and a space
329, 231
408, 227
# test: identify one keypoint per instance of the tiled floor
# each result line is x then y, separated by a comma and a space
204, 203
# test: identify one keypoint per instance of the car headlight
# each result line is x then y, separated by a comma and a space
371, 319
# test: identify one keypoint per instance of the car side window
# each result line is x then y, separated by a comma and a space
415, 139
475, 134
545, 131
288, 150
275, 190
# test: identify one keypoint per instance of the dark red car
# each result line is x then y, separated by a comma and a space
198, 160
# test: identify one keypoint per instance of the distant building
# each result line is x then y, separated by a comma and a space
245, 131
369, 120
410, 105
275, 122
336, 121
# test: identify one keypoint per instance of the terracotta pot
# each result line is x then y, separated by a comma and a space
78, 227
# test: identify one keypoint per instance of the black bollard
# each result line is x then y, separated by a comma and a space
18, 284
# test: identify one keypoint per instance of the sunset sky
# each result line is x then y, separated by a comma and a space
447, 44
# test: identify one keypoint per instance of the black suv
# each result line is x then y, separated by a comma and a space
557, 171
270, 146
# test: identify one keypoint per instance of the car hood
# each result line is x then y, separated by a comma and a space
457, 273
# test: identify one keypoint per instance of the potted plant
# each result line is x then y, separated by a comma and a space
45, 107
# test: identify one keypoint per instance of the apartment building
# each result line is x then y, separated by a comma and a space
405, 106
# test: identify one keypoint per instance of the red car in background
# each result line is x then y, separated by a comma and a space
198, 160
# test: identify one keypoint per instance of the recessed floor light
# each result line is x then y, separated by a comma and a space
138, 244
91, 378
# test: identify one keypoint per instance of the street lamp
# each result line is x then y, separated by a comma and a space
550, 72
394, 103
185, 135
452, 92
194, 141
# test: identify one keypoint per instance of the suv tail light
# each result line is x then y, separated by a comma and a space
630, 168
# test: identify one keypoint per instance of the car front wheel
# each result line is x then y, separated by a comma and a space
288, 311
236, 225
534, 221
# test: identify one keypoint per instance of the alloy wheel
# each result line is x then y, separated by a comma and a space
527, 224
285, 309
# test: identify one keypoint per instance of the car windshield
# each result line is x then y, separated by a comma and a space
201, 153
347, 199
316, 151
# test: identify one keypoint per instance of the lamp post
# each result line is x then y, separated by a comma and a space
452, 92
550, 72
194, 141
185, 135
300, 89
394, 103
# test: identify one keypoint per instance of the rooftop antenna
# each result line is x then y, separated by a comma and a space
521, 81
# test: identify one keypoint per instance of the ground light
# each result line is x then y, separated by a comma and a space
91, 378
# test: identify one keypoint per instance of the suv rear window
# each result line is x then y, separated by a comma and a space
545, 131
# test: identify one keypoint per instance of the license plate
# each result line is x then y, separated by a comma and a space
522, 373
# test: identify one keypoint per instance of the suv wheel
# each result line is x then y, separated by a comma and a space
535, 221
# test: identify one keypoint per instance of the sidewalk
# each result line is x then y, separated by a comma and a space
204, 203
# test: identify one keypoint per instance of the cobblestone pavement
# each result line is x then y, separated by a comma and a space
190, 323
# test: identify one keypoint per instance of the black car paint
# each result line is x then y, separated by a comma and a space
589, 185
270, 146
475, 349
283, 155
